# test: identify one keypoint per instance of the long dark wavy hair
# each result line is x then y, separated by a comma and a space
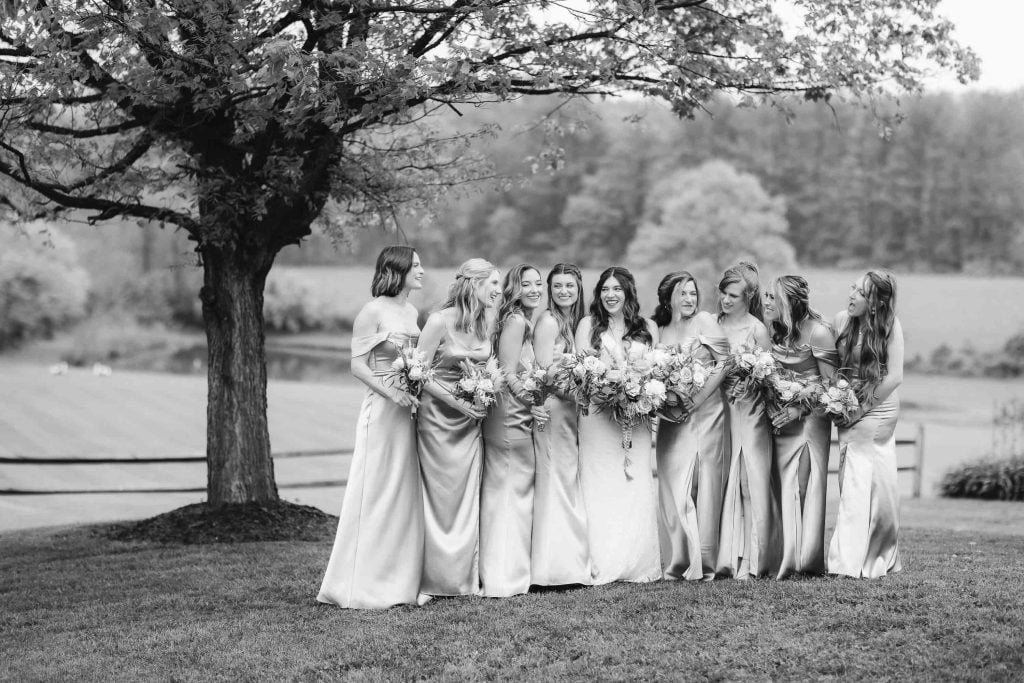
792, 300
393, 264
567, 323
744, 273
876, 325
663, 311
512, 300
636, 326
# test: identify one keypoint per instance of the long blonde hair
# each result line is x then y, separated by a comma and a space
470, 313
792, 301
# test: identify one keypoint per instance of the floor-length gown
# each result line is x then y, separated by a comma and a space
506, 494
749, 543
803, 513
865, 543
450, 450
561, 552
622, 512
693, 453
377, 557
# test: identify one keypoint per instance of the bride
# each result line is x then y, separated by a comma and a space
621, 507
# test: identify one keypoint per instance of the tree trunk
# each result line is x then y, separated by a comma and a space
239, 466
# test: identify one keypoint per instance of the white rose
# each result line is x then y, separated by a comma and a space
416, 374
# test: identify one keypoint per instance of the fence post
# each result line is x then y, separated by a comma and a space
918, 459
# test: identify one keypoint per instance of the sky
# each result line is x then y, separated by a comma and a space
993, 29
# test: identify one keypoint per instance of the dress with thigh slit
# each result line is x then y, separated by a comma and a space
808, 440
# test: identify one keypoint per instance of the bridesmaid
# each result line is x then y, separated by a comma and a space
803, 343
691, 447
748, 545
870, 344
622, 509
561, 554
377, 557
506, 495
450, 440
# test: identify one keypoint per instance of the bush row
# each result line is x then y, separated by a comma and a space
991, 479
969, 362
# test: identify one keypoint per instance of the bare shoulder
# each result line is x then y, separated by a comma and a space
708, 323
822, 335
515, 323
546, 322
840, 321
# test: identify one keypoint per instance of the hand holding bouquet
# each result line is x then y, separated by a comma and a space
752, 369
631, 393
788, 390
412, 372
838, 399
575, 375
537, 384
479, 384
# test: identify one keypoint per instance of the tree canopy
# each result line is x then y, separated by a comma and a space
242, 122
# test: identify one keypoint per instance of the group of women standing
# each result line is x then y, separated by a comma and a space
461, 502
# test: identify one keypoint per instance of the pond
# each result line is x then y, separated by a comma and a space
294, 364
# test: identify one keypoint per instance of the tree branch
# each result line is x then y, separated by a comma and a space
85, 133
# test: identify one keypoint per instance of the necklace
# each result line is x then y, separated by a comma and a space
617, 329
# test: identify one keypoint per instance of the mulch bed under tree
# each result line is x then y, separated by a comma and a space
244, 522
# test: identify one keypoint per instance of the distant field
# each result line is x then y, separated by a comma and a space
934, 309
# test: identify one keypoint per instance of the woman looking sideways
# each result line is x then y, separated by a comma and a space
691, 446
802, 343
622, 517
865, 543
506, 495
377, 557
748, 544
449, 434
561, 553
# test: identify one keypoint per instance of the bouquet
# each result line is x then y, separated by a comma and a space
838, 398
412, 372
538, 383
575, 375
479, 383
631, 393
786, 389
682, 373
752, 368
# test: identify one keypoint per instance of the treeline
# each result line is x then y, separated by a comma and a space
941, 190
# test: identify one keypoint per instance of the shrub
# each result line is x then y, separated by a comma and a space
112, 336
164, 295
293, 304
991, 479
42, 287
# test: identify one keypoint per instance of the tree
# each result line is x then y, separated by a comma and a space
242, 122
705, 218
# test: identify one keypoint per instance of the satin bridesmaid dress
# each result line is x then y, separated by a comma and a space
506, 494
622, 513
693, 453
749, 544
803, 511
450, 450
377, 557
560, 552
865, 543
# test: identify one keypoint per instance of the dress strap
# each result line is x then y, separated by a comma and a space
362, 345
719, 346
830, 356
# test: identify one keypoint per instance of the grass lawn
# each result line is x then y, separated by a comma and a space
75, 605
